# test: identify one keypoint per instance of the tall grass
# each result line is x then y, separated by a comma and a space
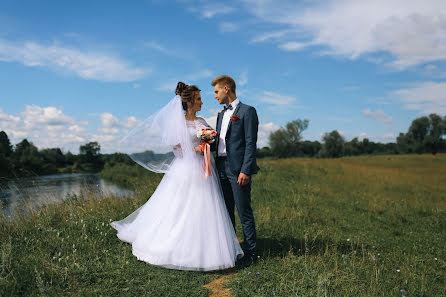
362, 226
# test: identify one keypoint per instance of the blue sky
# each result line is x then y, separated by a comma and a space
80, 71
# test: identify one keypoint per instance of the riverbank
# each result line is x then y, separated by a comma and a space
364, 226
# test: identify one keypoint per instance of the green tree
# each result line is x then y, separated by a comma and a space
5, 144
333, 145
285, 142
5, 153
26, 159
426, 133
90, 157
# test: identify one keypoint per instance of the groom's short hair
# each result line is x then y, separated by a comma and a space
225, 80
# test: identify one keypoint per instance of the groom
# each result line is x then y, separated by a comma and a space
237, 126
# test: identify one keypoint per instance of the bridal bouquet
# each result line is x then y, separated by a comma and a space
206, 135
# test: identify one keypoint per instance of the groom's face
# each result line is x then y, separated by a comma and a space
221, 93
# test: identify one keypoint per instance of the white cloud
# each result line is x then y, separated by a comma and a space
267, 128
293, 46
34, 114
45, 127
412, 32
377, 115
243, 79
276, 99
226, 27
109, 130
208, 11
4, 117
362, 135
214, 112
49, 127
212, 121
136, 86
157, 46
88, 65
426, 97
110, 121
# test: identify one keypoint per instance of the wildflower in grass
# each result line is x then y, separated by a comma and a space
436, 259
411, 266
258, 273
249, 272
373, 257
402, 290
274, 293
398, 270
348, 239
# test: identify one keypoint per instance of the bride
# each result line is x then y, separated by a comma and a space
185, 224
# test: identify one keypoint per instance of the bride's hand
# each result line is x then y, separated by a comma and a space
198, 149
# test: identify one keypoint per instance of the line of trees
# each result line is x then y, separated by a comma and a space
25, 159
425, 135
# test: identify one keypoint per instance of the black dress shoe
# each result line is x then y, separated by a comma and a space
248, 260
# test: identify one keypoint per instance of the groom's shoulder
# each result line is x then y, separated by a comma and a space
246, 106
247, 109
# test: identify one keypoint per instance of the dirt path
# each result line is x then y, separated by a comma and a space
216, 286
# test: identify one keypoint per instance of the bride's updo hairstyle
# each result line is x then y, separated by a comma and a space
187, 93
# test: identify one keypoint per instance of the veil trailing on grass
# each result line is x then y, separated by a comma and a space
160, 139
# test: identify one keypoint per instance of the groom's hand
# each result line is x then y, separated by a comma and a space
243, 179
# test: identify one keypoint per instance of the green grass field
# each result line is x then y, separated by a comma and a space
360, 226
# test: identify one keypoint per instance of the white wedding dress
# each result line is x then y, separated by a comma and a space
185, 224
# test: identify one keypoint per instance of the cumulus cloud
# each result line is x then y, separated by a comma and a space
51, 127
264, 131
412, 32
45, 127
110, 121
34, 114
426, 97
377, 115
88, 65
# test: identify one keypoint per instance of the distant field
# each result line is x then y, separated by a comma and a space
359, 226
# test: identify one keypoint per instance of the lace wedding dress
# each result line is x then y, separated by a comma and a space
185, 224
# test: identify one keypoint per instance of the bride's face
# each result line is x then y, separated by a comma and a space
197, 102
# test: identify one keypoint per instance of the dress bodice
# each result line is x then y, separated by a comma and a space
193, 127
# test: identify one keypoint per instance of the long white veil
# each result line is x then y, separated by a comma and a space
158, 140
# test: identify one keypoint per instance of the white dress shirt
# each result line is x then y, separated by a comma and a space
224, 128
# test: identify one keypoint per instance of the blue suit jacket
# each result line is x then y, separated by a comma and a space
241, 140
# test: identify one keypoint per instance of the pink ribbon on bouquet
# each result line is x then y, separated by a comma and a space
207, 160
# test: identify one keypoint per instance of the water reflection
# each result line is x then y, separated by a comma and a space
32, 192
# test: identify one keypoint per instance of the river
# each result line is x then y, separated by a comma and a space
32, 192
